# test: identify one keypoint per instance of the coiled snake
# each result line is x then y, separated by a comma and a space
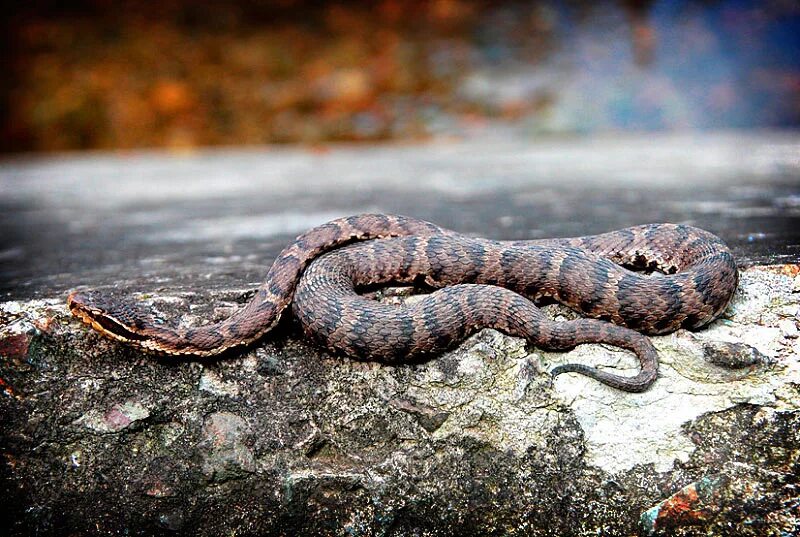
480, 282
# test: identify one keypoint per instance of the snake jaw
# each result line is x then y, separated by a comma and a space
128, 323
88, 307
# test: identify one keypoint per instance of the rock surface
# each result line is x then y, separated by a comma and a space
97, 438
152, 221
285, 439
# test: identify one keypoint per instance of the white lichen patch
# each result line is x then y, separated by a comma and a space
499, 396
623, 430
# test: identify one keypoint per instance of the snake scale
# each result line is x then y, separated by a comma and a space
689, 280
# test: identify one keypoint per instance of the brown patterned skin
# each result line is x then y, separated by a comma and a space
124, 321
483, 283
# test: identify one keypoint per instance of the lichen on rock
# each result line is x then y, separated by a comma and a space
287, 439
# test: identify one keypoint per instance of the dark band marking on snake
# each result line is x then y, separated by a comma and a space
479, 283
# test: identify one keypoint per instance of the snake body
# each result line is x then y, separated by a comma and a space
480, 283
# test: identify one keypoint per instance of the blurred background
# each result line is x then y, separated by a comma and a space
501, 119
109, 74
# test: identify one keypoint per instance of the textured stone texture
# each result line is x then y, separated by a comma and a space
287, 440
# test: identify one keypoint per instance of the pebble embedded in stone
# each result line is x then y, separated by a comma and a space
228, 456
732, 355
120, 416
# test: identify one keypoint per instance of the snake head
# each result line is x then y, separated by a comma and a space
110, 316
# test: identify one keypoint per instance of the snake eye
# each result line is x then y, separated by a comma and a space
87, 302
77, 300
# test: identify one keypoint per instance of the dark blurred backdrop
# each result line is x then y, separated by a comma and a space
179, 74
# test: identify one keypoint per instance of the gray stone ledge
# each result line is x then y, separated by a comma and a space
287, 440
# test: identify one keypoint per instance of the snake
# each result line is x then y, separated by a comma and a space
626, 285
